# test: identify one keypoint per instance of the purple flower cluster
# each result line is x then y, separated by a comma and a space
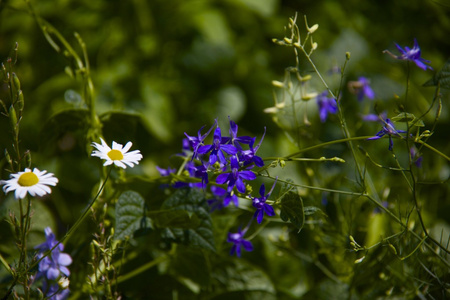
53, 267
233, 158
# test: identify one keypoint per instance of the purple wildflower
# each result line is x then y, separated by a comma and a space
165, 172
197, 141
234, 139
326, 105
238, 240
235, 177
411, 55
361, 88
415, 156
221, 198
217, 149
53, 266
388, 129
374, 117
261, 205
250, 156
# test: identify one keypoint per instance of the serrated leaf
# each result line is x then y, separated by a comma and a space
442, 77
193, 202
237, 279
292, 209
130, 215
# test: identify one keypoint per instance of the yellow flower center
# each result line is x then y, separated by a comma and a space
28, 179
115, 154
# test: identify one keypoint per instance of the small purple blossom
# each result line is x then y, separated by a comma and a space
261, 205
374, 117
166, 172
235, 177
411, 55
222, 198
197, 141
238, 240
415, 156
378, 210
361, 88
250, 156
388, 129
326, 105
234, 139
217, 149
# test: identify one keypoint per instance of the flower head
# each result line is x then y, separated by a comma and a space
416, 157
238, 240
197, 141
235, 177
221, 198
250, 156
234, 139
33, 182
218, 148
326, 105
388, 129
361, 88
261, 205
118, 155
411, 55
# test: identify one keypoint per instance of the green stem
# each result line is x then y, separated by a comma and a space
87, 210
77, 223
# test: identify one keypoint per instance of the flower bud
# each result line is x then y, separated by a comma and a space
278, 84
20, 102
288, 40
13, 118
313, 28
16, 82
392, 248
347, 55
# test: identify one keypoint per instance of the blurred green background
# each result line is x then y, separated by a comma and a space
181, 64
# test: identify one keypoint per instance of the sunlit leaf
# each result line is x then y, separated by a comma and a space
292, 209
193, 202
130, 215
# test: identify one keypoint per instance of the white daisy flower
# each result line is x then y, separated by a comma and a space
33, 182
117, 155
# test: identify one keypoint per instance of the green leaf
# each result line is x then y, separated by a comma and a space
442, 77
193, 202
292, 209
130, 215
237, 279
